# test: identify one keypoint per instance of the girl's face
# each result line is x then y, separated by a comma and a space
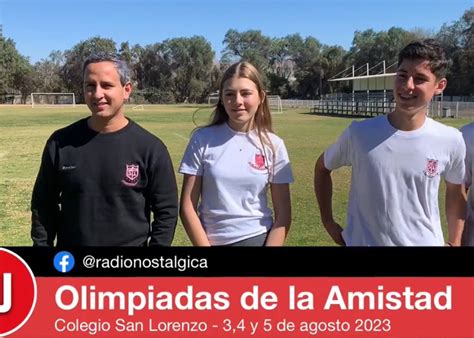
241, 100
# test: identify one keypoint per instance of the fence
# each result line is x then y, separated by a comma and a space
452, 109
298, 103
376, 107
458, 98
353, 108
14, 99
360, 96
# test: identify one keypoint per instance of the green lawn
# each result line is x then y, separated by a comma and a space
23, 132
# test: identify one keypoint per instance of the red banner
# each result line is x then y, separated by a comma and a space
252, 307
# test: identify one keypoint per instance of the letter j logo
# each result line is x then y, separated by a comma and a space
17, 292
64, 261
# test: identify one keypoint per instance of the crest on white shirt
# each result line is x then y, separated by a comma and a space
259, 162
431, 169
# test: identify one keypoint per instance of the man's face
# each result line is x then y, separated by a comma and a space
415, 86
103, 92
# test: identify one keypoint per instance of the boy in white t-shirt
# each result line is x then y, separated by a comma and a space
397, 161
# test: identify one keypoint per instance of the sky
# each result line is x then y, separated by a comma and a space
41, 26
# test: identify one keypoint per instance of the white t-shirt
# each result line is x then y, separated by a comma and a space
395, 180
235, 171
468, 134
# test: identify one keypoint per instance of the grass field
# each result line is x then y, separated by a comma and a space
24, 131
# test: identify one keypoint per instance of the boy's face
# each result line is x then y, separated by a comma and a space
103, 92
415, 86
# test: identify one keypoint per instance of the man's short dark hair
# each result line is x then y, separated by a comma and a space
120, 65
427, 49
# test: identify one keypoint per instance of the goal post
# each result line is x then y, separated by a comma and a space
274, 104
52, 100
138, 107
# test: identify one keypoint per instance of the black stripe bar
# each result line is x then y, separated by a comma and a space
250, 261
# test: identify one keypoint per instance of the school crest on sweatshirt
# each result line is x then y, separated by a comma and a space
132, 175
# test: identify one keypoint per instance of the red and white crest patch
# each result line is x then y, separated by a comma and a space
132, 174
431, 169
259, 162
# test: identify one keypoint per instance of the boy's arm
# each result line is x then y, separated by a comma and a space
456, 193
455, 212
323, 190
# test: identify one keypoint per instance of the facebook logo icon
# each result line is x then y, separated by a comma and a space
64, 261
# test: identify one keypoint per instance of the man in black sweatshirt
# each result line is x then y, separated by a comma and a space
102, 178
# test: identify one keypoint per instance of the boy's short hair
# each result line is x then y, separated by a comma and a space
120, 65
427, 49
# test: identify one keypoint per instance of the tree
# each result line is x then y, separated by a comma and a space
374, 47
309, 67
191, 62
48, 73
71, 71
458, 41
153, 74
334, 60
467, 57
23, 79
15, 70
251, 46
282, 64
126, 53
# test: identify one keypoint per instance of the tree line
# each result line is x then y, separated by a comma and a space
185, 69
